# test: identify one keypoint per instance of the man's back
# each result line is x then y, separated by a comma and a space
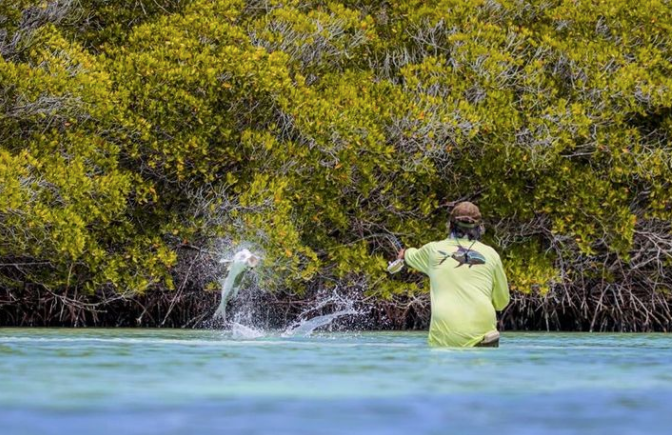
467, 285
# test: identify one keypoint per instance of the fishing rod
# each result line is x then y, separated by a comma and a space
397, 265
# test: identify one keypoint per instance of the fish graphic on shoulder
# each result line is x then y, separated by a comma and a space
467, 256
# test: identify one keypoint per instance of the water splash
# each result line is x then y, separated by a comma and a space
242, 332
240, 262
243, 325
305, 327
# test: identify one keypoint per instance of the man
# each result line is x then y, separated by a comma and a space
467, 282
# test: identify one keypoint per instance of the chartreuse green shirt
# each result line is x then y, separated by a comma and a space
467, 285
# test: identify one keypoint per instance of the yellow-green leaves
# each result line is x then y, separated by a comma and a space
305, 127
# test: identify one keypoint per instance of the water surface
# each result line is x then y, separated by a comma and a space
121, 381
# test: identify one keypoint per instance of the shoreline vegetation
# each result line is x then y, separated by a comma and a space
141, 141
553, 311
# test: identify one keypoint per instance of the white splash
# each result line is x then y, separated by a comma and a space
304, 328
242, 261
242, 325
242, 332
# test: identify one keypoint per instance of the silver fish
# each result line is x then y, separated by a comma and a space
242, 261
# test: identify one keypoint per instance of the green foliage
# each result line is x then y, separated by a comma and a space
64, 193
307, 127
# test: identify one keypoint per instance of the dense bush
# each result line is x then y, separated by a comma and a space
138, 141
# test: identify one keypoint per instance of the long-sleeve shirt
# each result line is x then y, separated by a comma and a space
467, 286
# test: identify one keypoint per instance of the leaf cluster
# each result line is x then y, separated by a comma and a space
308, 129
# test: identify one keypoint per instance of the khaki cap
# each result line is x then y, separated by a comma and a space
466, 212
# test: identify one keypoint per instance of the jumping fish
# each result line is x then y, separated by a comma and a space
242, 261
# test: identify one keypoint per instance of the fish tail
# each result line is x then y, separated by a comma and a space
221, 311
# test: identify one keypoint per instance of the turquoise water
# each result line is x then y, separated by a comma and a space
119, 381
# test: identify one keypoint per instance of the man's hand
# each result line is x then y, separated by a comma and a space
400, 254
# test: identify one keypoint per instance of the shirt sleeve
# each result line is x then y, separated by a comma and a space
500, 292
419, 259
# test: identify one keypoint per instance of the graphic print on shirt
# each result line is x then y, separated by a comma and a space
463, 256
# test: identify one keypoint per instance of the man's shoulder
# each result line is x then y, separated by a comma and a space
447, 244
441, 244
432, 245
487, 250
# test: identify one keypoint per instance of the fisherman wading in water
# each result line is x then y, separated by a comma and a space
467, 282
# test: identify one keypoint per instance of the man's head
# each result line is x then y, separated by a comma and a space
465, 221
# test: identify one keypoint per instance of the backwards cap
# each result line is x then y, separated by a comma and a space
466, 214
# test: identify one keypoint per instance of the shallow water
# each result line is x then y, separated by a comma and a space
120, 381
